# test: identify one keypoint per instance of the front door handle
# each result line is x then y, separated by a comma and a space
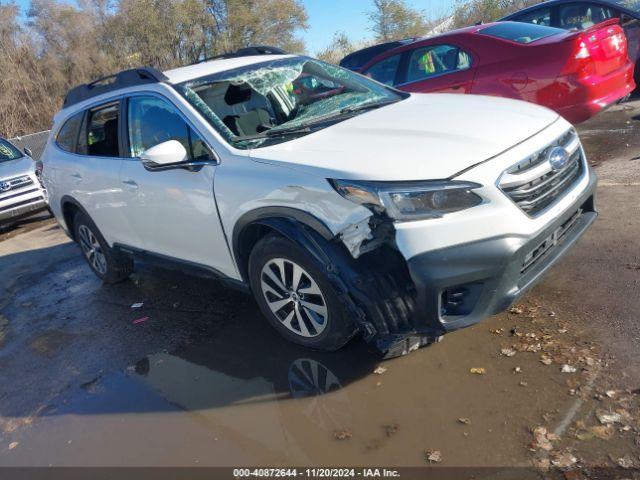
76, 176
130, 184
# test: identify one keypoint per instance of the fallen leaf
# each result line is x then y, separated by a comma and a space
433, 456
568, 369
610, 393
380, 370
508, 352
517, 370
477, 370
523, 384
466, 421
13, 445
343, 434
137, 305
542, 439
516, 310
605, 417
563, 460
603, 432
625, 462
546, 360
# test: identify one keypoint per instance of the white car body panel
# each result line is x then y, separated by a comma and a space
426, 136
498, 215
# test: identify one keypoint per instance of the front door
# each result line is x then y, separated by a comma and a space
172, 212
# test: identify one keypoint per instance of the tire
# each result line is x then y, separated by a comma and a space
311, 315
105, 263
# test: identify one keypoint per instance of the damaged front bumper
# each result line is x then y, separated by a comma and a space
461, 285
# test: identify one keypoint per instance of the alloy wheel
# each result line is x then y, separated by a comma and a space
294, 297
92, 250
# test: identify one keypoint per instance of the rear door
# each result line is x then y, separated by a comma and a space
87, 166
436, 68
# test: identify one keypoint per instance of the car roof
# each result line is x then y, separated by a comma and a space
418, 40
210, 67
613, 3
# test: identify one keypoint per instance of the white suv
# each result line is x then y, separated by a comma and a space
343, 205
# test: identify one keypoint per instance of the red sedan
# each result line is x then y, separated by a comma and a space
577, 74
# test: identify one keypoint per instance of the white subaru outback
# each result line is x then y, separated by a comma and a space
343, 205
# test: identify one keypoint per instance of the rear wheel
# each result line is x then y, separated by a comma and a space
297, 297
104, 262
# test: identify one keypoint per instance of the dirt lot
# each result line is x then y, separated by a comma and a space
201, 379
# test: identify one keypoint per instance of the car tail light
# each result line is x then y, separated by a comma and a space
581, 62
598, 51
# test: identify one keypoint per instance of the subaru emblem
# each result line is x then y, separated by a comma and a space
558, 158
5, 186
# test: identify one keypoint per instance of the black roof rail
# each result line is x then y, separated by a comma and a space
247, 52
126, 78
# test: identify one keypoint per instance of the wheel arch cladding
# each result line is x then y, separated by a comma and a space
376, 287
254, 225
70, 207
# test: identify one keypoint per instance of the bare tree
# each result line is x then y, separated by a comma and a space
394, 20
62, 44
470, 12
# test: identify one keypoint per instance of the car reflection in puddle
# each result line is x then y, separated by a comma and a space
262, 390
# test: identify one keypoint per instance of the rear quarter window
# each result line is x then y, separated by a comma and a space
520, 32
67, 137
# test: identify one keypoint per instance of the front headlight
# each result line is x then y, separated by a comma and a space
410, 200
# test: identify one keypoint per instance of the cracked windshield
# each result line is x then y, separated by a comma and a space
276, 101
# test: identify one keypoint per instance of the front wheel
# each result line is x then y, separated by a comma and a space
296, 297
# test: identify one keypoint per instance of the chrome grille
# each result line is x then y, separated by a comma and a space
9, 184
534, 185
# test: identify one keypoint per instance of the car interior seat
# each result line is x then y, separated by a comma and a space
108, 146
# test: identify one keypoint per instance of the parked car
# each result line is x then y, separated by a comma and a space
575, 74
582, 15
368, 211
356, 60
21, 193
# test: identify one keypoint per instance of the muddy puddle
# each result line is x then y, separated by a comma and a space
254, 399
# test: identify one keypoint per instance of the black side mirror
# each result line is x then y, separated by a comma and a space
27, 151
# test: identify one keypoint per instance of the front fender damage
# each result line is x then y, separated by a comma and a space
372, 280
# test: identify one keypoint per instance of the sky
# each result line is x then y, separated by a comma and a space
329, 16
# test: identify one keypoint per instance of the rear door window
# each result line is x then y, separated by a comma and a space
436, 60
541, 16
67, 137
582, 15
385, 70
102, 134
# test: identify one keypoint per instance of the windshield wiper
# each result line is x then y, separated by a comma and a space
307, 127
274, 133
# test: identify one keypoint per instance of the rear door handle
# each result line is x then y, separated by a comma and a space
76, 177
130, 184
